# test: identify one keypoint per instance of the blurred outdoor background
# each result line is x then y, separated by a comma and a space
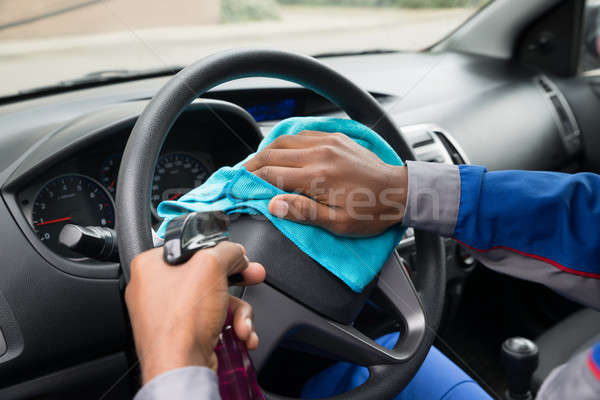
44, 41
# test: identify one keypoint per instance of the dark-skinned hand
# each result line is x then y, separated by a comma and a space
342, 186
178, 312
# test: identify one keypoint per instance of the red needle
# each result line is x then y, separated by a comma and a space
52, 221
175, 196
112, 184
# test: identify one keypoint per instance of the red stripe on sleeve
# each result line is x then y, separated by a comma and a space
534, 256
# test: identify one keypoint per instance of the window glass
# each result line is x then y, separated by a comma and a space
43, 42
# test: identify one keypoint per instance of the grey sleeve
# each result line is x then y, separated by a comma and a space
573, 380
182, 384
433, 197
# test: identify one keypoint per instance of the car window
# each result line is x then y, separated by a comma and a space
45, 41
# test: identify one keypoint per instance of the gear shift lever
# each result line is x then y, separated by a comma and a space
520, 359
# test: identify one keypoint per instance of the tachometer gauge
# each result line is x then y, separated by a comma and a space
74, 199
109, 171
175, 175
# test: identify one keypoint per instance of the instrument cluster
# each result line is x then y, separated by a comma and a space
85, 196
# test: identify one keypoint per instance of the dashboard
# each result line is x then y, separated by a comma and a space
71, 175
59, 158
80, 189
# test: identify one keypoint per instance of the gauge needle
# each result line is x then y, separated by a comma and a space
53, 221
175, 196
112, 184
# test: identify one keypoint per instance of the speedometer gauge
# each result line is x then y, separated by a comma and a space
175, 175
109, 171
70, 199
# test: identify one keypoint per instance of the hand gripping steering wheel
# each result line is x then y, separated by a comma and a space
300, 300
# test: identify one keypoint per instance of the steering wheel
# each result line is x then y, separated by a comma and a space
299, 300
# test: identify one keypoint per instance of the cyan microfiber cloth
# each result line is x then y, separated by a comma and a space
355, 261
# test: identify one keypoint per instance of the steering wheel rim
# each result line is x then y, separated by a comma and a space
388, 376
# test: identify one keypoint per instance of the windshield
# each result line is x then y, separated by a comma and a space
44, 42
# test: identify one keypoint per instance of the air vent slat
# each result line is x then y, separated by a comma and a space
421, 139
452, 151
564, 118
544, 85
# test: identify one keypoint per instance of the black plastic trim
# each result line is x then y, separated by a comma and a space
110, 368
553, 42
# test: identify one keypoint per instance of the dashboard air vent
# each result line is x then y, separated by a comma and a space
563, 116
431, 143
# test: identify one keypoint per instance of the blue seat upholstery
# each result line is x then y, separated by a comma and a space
437, 379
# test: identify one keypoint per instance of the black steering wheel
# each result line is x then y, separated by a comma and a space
300, 300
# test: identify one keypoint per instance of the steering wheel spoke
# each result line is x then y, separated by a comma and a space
286, 318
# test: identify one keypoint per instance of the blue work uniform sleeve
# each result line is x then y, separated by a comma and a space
539, 226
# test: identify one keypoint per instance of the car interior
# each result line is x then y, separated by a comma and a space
516, 86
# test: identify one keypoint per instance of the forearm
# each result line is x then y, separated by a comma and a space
182, 383
537, 226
